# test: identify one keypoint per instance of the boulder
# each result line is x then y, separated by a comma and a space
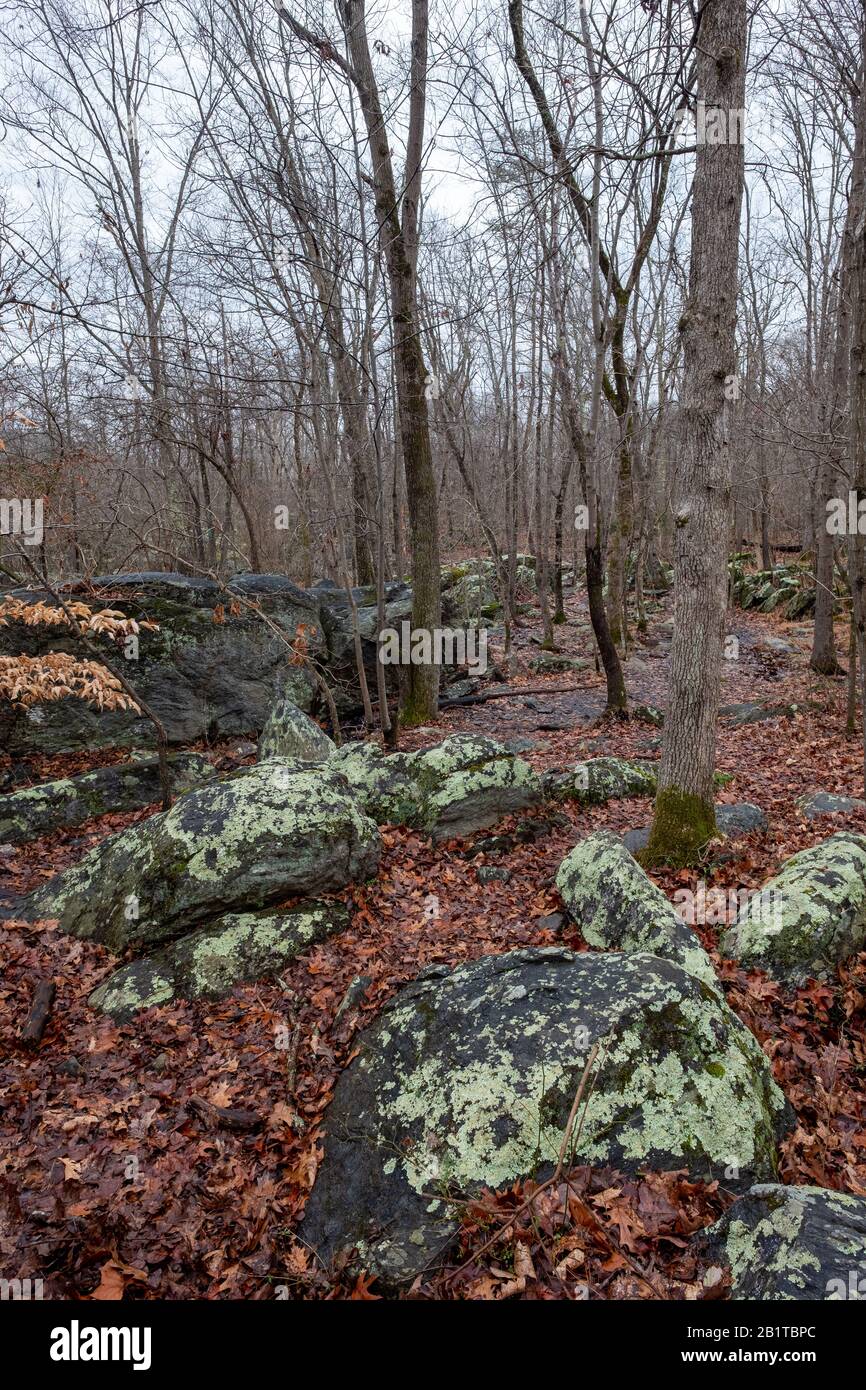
208, 963
238, 843
215, 664
467, 1078
381, 782
462, 785
649, 714
603, 779
732, 821
557, 661
810, 917
34, 811
827, 804
469, 782
751, 712
792, 1244
207, 671
291, 734
618, 908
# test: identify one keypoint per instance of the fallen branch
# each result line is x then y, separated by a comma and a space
514, 694
238, 1120
40, 1012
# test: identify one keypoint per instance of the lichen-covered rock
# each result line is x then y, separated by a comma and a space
34, 811
467, 1078
618, 908
791, 1244
465, 783
810, 917
558, 661
208, 963
289, 733
382, 783
472, 597
470, 782
604, 779
827, 804
240, 842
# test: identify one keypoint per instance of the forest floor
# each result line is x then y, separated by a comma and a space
115, 1185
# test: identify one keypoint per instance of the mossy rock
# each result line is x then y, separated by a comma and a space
619, 908
792, 1244
238, 843
810, 917
467, 1079
209, 963
69, 801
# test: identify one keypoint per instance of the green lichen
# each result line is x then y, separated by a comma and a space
808, 918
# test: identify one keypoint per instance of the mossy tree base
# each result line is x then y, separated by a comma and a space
682, 827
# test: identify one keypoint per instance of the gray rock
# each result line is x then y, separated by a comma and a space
462, 785
731, 822
750, 712
810, 917
649, 714
824, 804
201, 675
556, 661
214, 667
740, 819
381, 782
291, 734
792, 1244
467, 1078
234, 949
34, 811
619, 908
490, 873
552, 921
238, 843
521, 745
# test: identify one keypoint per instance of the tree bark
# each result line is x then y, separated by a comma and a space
684, 817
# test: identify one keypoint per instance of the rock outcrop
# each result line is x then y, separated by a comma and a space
68, 801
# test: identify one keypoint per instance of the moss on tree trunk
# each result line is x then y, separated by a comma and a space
682, 826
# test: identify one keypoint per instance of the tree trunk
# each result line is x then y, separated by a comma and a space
684, 817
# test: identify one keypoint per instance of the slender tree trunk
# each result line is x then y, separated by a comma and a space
684, 814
